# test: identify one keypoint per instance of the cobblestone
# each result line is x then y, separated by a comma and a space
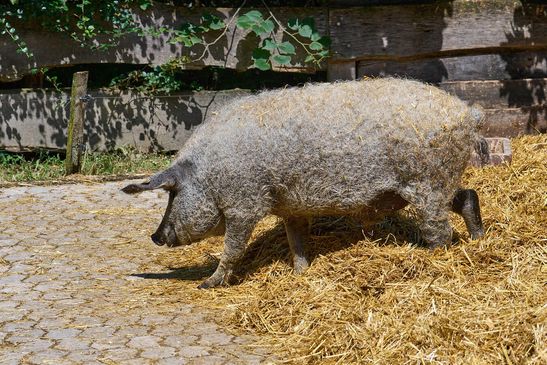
66, 284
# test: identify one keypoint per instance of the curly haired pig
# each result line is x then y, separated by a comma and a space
357, 148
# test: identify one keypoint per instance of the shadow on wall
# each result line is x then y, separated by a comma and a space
162, 123
529, 25
37, 116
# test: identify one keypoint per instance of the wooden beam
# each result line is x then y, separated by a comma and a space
500, 94
515, 122
518, 65
441, 29
341, 71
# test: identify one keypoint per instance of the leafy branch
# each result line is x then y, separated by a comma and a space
274, 52
22, 47
101, 24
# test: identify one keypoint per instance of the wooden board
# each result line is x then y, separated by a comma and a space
500, 94
341, 71
38, 119
515, 122
232, 50
348, 3
458, 28
506, 66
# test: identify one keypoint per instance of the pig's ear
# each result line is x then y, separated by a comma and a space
166, 180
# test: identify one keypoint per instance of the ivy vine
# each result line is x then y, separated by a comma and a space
101, 24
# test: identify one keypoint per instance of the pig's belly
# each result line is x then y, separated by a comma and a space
379, 206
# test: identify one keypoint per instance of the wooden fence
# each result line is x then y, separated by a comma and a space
490, 52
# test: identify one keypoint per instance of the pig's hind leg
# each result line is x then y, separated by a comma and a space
297, 229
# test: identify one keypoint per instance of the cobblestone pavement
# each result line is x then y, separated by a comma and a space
66, 277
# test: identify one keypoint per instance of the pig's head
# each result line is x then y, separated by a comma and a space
191, 214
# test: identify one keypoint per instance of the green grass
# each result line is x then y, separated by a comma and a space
44, 166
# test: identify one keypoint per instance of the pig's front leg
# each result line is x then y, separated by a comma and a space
466, 204
297, 229
238, 231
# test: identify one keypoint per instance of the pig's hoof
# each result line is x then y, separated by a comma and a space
213, 281
209, 283
477, 234
300, 265
435, 245
204, 285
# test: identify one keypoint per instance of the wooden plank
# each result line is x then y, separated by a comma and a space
500, 94
232, 50
348, 3
461, 27
518, 65
75, 134
341, 71
38, 119
515, 122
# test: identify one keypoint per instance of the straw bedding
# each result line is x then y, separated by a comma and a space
380, 297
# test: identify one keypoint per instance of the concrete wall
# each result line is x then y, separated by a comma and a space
38, 119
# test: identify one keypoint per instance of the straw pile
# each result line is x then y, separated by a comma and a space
379, 297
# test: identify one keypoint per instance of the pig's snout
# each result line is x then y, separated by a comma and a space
157, 239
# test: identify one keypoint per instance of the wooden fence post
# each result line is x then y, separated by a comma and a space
75, 138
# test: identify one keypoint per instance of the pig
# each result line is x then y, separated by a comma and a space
357, 148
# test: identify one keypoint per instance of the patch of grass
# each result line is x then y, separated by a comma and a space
44, 165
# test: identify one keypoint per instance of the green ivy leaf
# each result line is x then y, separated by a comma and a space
261, 58
213, 22
282, 59
262, 28
293, 23
254, 15
195, 40
324, 53
315, 37
262, 64
286, 48
309, 58
243, 22
305, 31
258, 30
145, 4
316, 46
269, 45
268, 25
253, 20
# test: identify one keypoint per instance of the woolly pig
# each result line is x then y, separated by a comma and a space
357, 148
